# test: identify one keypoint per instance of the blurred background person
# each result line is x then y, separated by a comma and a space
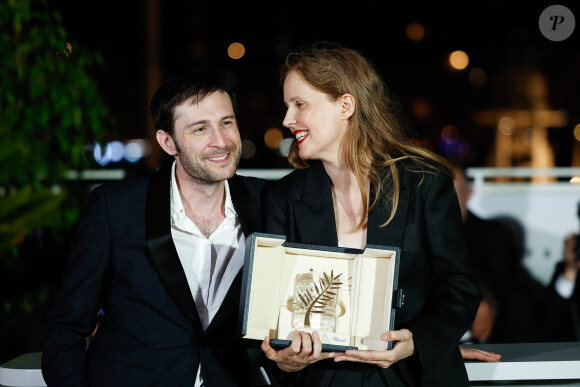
512, 299
563, 314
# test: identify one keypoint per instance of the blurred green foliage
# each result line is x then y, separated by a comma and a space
50, 109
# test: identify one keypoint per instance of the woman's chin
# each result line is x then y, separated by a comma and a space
303, 155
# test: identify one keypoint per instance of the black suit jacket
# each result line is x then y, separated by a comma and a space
497, 249
123, 260
561, 318
441, 297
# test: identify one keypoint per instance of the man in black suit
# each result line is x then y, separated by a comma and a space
161, 255
563, 306
512, 299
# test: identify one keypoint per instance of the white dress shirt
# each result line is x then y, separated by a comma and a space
564, 287
210, 264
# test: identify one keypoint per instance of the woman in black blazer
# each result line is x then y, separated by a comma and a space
364, 183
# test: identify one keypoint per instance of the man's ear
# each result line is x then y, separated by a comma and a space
348, 105
166, 142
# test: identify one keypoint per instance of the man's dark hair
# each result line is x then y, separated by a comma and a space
194, 85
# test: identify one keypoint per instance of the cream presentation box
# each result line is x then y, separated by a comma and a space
347, 296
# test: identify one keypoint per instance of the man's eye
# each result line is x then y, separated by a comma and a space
200, 130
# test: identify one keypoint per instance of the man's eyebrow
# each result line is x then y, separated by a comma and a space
202, 122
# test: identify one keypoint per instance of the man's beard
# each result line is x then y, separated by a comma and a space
202, 172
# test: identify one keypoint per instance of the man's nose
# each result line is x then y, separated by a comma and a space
218, 138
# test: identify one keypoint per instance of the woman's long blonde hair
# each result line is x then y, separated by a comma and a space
375, 139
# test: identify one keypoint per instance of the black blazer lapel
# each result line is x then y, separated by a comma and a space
163, 255
229, 307
391, 234
314, 211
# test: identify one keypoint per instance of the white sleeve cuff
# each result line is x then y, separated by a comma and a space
563, 287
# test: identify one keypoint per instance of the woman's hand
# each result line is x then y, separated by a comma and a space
303, 350
404, 347
478, 354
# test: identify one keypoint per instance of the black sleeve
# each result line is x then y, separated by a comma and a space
72, 317
454, 296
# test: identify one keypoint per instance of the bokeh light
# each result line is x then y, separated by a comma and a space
137, 149
236, 50
116, 151
477, 76
415, 32
449, 134
102, 157
248, 148
284, 148
577, 132
527, 136
421, 108
458, 60
507, 126
273, 138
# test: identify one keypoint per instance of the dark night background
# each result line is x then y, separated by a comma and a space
502, 37
145, 42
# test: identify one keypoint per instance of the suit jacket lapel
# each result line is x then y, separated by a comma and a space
163, 255
314, 211
229, 307
250, 216
391, 234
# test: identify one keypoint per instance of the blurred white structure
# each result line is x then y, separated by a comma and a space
546, 208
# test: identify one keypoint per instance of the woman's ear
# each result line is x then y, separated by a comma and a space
166, 142
348, 105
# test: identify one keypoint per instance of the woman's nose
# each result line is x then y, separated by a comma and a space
288, 119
